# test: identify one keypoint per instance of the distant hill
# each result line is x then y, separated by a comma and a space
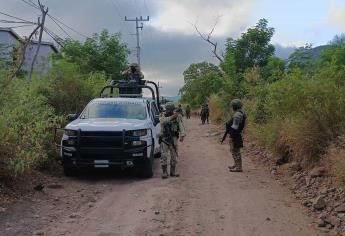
316, 52
285, 52
172, 98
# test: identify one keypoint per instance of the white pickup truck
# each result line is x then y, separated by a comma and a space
113, 132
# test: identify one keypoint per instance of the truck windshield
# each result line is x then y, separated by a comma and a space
115, 110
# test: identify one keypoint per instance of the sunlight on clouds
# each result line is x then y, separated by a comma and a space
337, 14
296, 44
179, 16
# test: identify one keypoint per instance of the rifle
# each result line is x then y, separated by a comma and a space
168, 139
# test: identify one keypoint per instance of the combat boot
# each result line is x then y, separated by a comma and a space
165, 171
173, 172
237, 167
231, 167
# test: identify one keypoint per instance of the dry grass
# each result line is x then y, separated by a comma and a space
302, 140
334, 161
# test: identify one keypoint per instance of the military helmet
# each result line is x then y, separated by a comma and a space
134, 65
236, 103
170, 106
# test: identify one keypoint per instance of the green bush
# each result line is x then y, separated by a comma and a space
30, 111
26, 130
67, 90
302, 114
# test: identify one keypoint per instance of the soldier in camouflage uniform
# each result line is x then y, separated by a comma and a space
172, 129
235, 129
133, 72
188, 112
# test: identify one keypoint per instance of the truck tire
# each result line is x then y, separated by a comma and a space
158, 155
69, 171
147, 169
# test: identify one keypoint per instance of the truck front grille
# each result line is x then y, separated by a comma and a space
101, 139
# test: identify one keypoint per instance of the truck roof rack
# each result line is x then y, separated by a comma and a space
131, 89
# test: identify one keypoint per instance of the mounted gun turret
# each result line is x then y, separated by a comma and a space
131, 88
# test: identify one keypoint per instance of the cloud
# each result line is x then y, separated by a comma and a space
180, 15
295, 44
283, 51
166, 55
336, 14
169, 42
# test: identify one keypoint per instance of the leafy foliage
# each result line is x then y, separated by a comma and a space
253, 48
295, 108
29, 111
101, 53
201, 80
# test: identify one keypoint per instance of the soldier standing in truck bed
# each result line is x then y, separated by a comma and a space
133, 72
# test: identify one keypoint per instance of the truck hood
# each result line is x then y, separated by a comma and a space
107, 124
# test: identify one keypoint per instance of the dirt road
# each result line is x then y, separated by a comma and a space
206, 200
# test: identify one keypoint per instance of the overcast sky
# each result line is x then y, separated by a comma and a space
169, 41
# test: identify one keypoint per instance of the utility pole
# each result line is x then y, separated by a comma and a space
137, 20
41, 25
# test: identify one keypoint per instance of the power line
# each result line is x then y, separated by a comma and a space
20, 26
55, 37
137, 27
69, 27
55, 20
30, 4
14, 17
17, 22
61, 27
120, 16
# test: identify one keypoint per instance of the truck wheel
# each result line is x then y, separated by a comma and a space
70, 172
158, 155
147, 171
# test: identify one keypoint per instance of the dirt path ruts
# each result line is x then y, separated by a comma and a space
206, 200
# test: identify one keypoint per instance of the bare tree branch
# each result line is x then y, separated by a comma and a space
21, 60
207, 38
24, 46
41, 24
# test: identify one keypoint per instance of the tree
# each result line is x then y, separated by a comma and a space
201, 80
208, 38
252, 49
302, 59
101, 53
274, 70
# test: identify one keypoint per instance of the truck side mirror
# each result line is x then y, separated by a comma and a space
72, 117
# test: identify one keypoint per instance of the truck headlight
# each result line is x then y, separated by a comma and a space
71, 142
138, 143
138, 133
70, 132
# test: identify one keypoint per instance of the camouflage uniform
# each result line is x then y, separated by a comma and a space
167, 149
234, 128
188, 112
133, 71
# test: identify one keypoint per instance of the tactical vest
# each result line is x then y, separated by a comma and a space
241, 125
171, 129
236, 135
